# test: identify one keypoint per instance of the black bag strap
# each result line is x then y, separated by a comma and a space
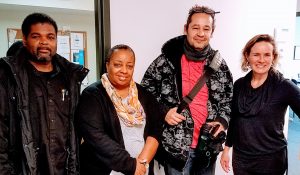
214, 66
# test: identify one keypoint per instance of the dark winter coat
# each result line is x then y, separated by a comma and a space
18, 149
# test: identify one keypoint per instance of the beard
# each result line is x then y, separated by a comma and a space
43, 59
39, 57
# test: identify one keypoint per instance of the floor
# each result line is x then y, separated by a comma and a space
294, 145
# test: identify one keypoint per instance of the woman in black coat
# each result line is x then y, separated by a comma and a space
118, 120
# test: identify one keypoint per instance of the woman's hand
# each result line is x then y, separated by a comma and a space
140, 169
173, 118
225, 159
147, 154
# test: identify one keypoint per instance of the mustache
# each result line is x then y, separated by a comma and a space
44, 48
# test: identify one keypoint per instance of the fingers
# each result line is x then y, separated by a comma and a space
140, 168
173, 118
224, 161
225, 165
221, 127
214, 124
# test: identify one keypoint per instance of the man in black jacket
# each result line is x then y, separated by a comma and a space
39, 91
172, 75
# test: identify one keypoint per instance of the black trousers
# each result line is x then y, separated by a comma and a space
271, 164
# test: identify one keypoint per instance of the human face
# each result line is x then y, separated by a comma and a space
120, 68
261, 57
199, 31
41, 42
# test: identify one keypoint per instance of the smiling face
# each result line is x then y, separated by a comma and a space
199, 31
120, 68
261, 58
41, 42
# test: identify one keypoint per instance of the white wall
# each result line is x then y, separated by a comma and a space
12, 16
146, 25
297, 33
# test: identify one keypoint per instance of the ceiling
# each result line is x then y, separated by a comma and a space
13, 7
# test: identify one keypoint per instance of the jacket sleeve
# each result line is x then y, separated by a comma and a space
5, 163
155, 113
93, 114
234, 108
292, 96
152, 78
225, 95
230, 133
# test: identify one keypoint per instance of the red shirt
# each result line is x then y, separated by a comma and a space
191, 71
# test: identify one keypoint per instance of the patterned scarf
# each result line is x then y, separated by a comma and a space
131, 111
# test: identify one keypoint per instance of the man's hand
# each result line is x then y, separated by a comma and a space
173, 118
214, 124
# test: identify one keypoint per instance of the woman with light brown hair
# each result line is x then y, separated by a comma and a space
260, 101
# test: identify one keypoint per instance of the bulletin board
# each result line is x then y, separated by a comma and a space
70, 44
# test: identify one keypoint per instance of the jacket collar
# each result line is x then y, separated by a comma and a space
17, 64
173, 49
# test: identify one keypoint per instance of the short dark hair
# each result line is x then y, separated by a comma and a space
201, 9
35, 18
116, 47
